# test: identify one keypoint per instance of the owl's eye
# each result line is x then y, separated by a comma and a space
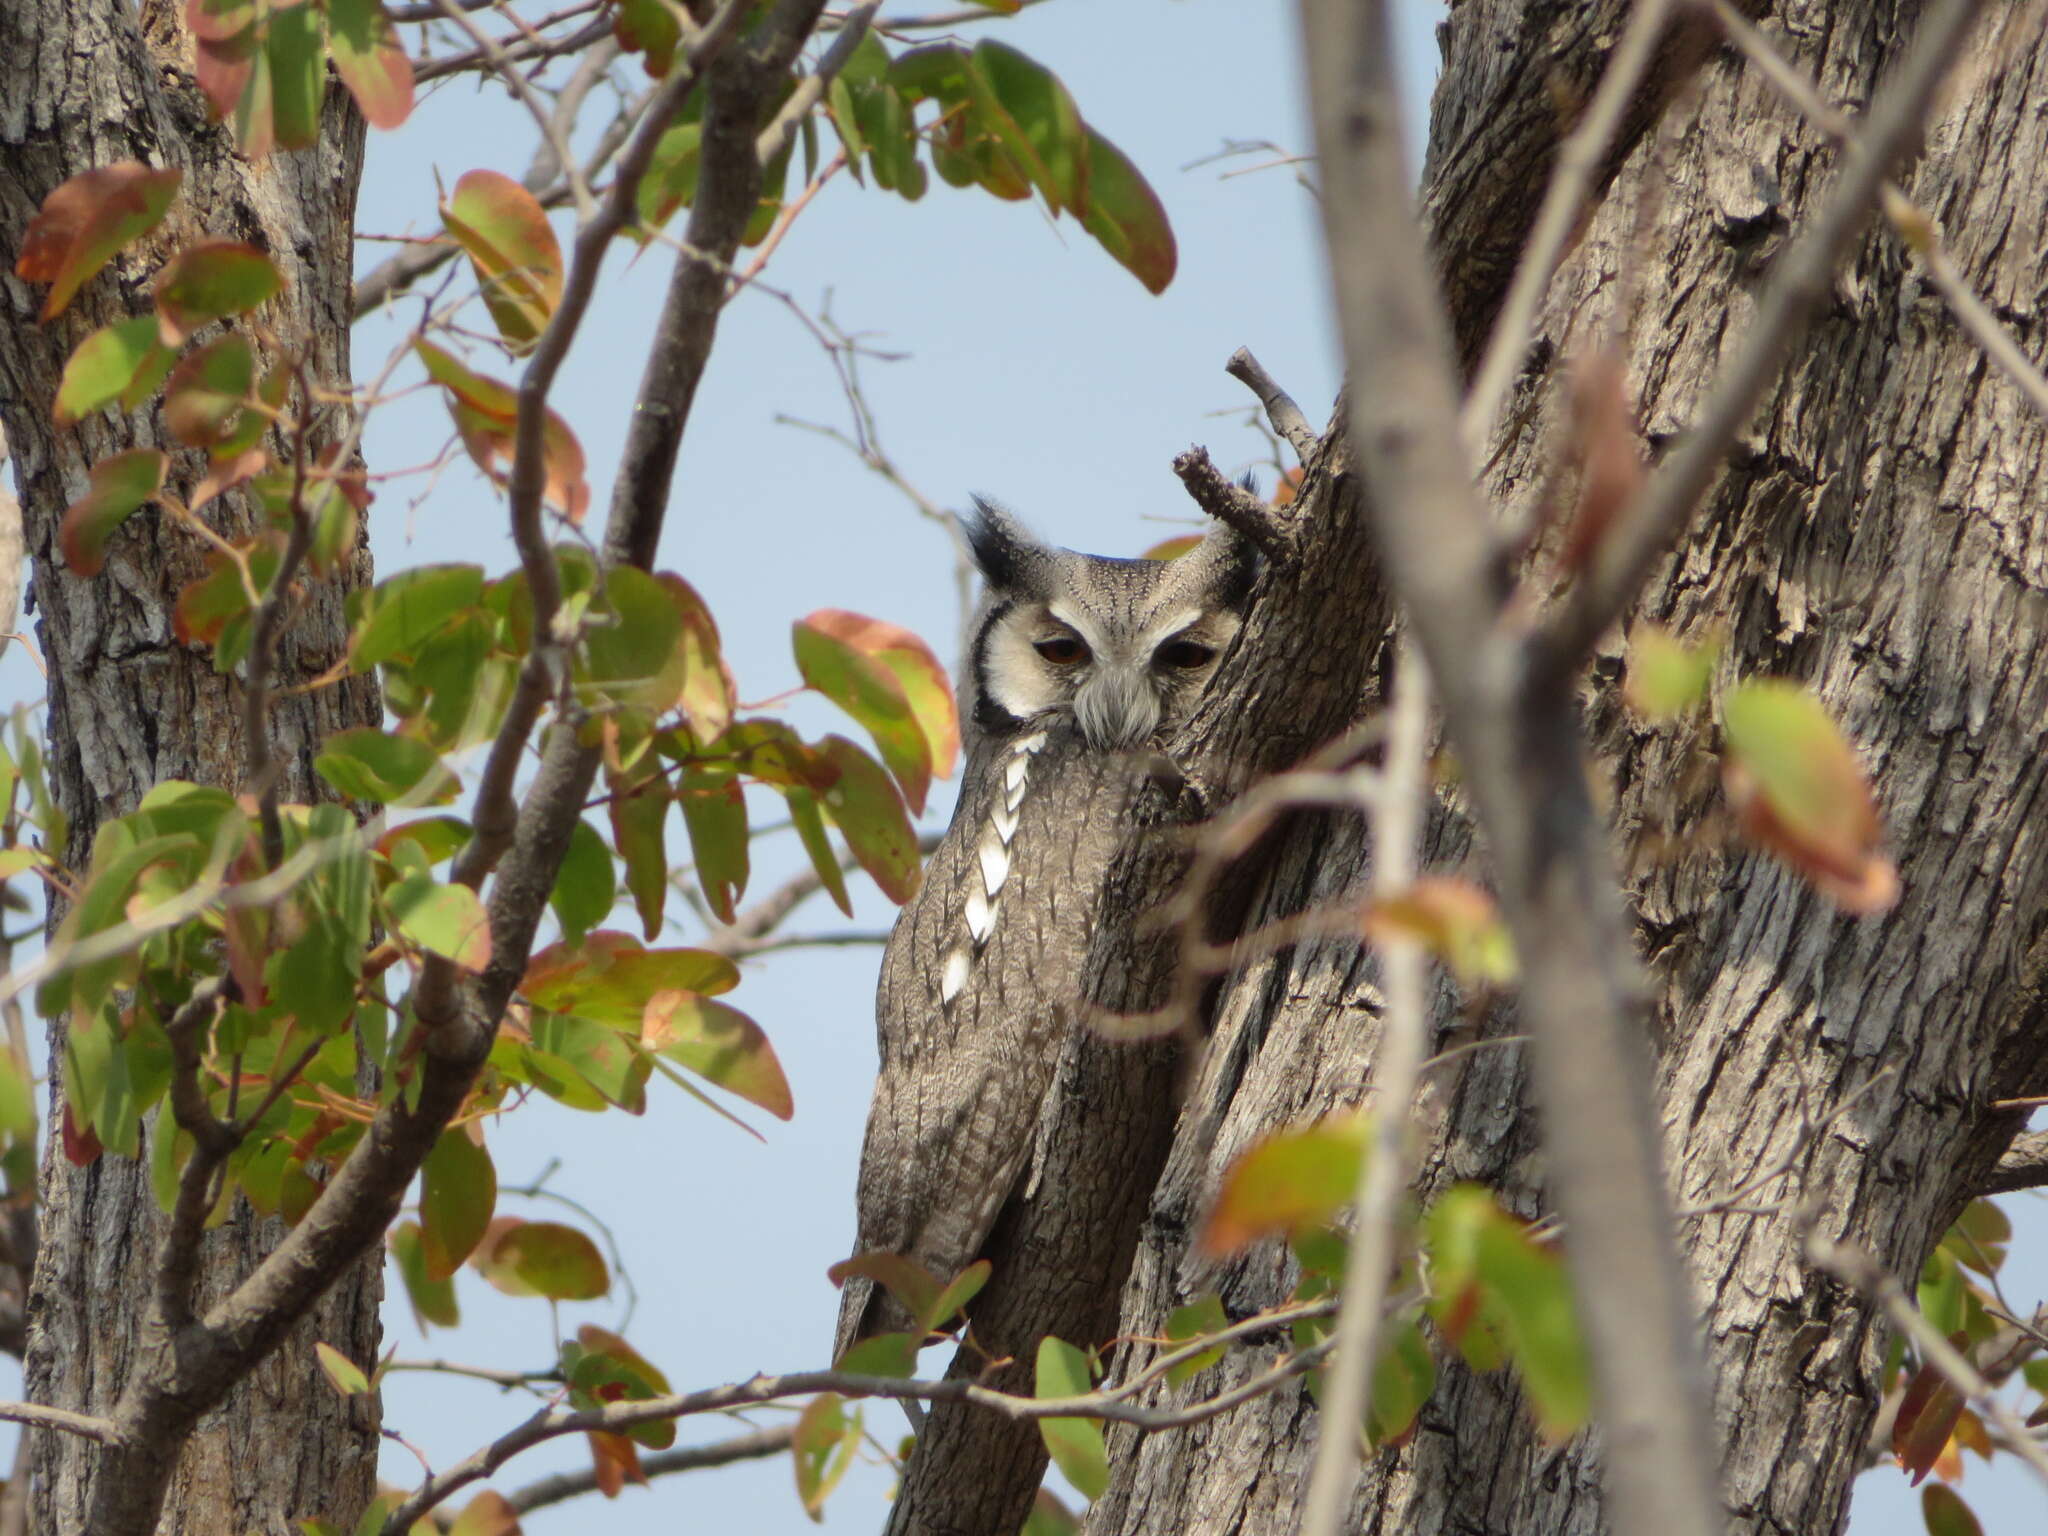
1184, 655
1061, 650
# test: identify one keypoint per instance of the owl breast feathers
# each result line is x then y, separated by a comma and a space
1078, 668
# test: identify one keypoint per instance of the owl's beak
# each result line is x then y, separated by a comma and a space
1116, 709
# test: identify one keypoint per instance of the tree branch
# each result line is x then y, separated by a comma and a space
1234, 506
1625, 556
1281, 410
1523, 765
2024, 1166
564, 1486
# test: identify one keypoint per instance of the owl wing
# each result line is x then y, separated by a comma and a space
980, 980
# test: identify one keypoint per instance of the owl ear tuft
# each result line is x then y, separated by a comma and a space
999, 543
1228, 564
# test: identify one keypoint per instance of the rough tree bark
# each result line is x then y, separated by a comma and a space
86, 83
1876, 534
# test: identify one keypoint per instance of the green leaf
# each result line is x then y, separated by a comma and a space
810, 830
1979, 1238
1288, 1182
1199, 1318
314, 979
433, 1301
544, 1258
1029, 111
646, 27
571, 1054
298, 72
458, 1192
368, 764
215, 609
1945, 1512
1402, 1380
634, 655
827, 1436
884, 1354
210, 391
513, 250
85, 221
1126, 217
715, 811
208, 281
1076, 1444
1666, 678
124, 361
446, 920
118, 486
638, 813
1799, 791
486, 415
371, 60
586, 886
392, 621
864, 804
721, 1045
915, 1288
962, 1289
347, 1377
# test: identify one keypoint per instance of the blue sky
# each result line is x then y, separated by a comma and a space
1032, 369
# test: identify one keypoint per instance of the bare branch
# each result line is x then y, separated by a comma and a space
1519, 749
531, 44
1280, 407
1234, 506
1397, 1069
2024, 1166
1624, 558
564, 1486
36, 1416
1109, 1403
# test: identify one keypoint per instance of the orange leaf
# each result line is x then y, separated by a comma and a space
86, 220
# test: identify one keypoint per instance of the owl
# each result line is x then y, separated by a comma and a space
1078, 669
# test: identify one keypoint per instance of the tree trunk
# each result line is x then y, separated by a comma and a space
1877, 535
86, 83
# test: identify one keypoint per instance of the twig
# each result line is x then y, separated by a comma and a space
1232, 505
530, 46
811, 89
550, 1424
36, 1416
1579, 159
1519, 745
550, 130
1397, 1068
564, 1486
1281, 410
1624, 557
1855, 1268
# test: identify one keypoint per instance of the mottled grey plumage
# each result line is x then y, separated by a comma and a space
1077, 667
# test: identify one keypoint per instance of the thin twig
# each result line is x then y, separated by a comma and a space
1281, 410
551, 131
36, 1416
550, 1424
564, 1486
1397, 1068
1232, 505
811, 89
531, 45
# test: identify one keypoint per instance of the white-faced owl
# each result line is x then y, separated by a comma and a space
1078, 669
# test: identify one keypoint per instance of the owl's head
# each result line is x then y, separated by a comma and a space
1121, 647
